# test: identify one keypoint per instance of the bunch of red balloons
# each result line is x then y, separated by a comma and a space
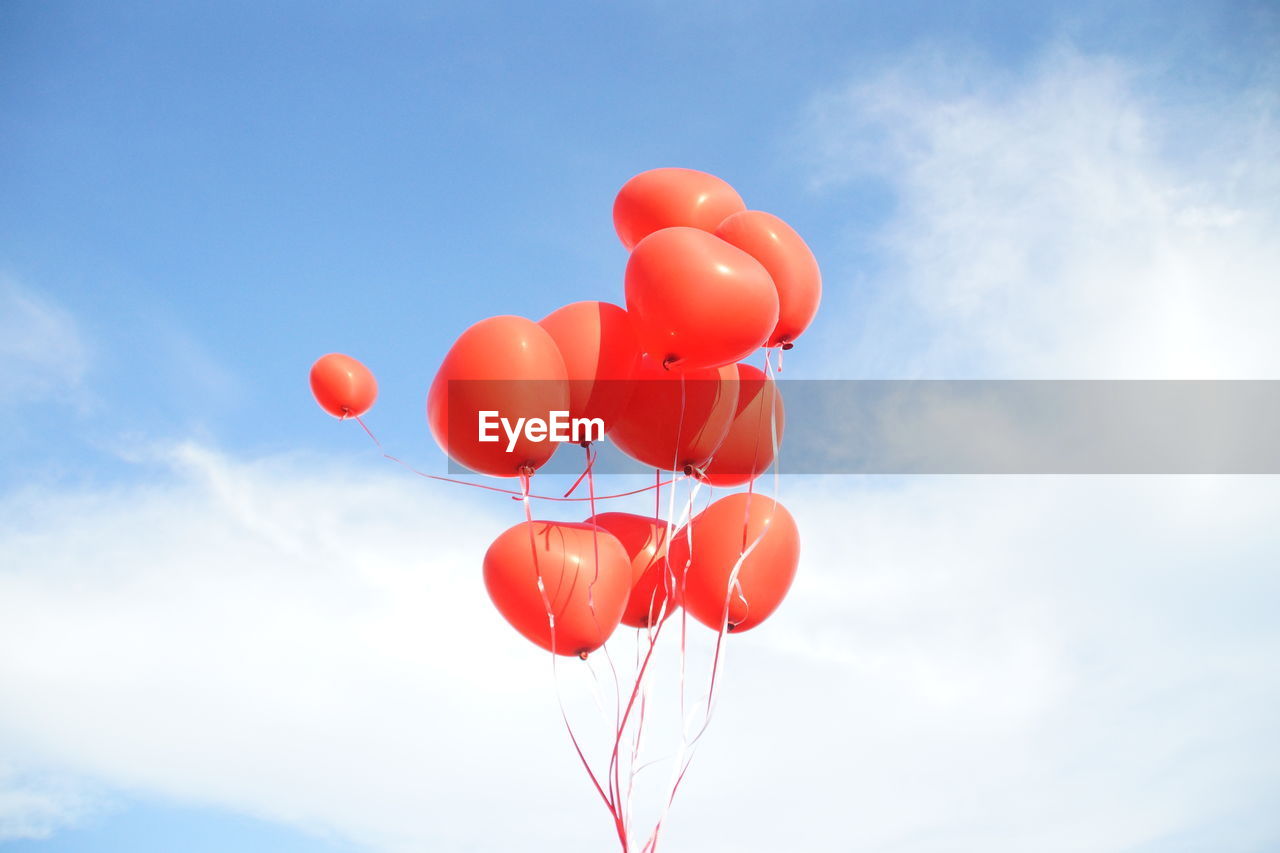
708, 283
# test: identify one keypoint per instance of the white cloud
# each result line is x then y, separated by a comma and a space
303, 645
1072, 221
33, 807
1008, 664
43, 354
293, 641
282, 639
1001, 664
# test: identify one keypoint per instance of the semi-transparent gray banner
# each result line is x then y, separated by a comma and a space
978, 426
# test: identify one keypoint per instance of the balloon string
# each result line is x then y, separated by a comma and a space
613, 773
595, 532
773, 429
684, 618
717, 665
533, 552
644, 679
639, 728
585, 472
688, 746
643, 682
747, 549
612, 798
365, 427
514, 494
669, 583
555, 669
614, 762
686, 516
639, 691
681, 762
621, 815
639, 688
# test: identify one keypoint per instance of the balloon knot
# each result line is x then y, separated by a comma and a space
669, 361
731, 627
583, 654
786, 345
585, 444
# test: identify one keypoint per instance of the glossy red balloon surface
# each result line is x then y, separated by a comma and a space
505, 364
645, 540
662, 198
600, 351
707, 549
669, 426
748, 448
343, 386
790, 263
697, 301
585, 572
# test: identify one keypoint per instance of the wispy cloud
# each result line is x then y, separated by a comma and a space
314, 647
1076, 220
1010, 664
43, 353
34, 806
1000, 664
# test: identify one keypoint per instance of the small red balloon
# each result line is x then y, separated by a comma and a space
343, 386
600, 351
506, 365
698, 301
586, 575
645, 540
674, 420
662, 198
748, 449
790, 263
706, 550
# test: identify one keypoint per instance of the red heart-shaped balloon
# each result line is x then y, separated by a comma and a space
585, 577
508, 365
698, 301
790, 263
748, 448
343, 386
663, 198
598, 343
674, 420
708, 548
645, 540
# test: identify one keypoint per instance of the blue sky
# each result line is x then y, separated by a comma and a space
199, 199
221, 192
